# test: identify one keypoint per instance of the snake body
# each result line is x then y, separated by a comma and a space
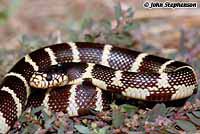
118, 70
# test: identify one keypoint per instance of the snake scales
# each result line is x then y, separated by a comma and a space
117, 70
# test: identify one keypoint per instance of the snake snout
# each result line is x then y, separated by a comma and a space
48, 80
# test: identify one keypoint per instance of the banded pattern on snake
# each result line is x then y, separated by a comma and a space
133, 74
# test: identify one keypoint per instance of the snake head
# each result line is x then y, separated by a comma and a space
48, 80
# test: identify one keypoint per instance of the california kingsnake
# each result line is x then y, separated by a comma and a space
131, 73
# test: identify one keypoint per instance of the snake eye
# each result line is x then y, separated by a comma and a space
49, 77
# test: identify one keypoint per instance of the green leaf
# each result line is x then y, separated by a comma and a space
117, 118
49, 123
61, 130
130, 27
103, 130
22, 118
82, 129
31, 128
118, 11
45, 116
73, 36
14, 6
89, 38
186, 125
86, 22
3, 17
158, 110
129, 108
6, 13
196, 113
106, 24
172, 55
120, 39
193, 119
31, 42
130, 12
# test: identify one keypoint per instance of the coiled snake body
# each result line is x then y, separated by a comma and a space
117, 70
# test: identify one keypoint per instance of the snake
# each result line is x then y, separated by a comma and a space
76, 76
